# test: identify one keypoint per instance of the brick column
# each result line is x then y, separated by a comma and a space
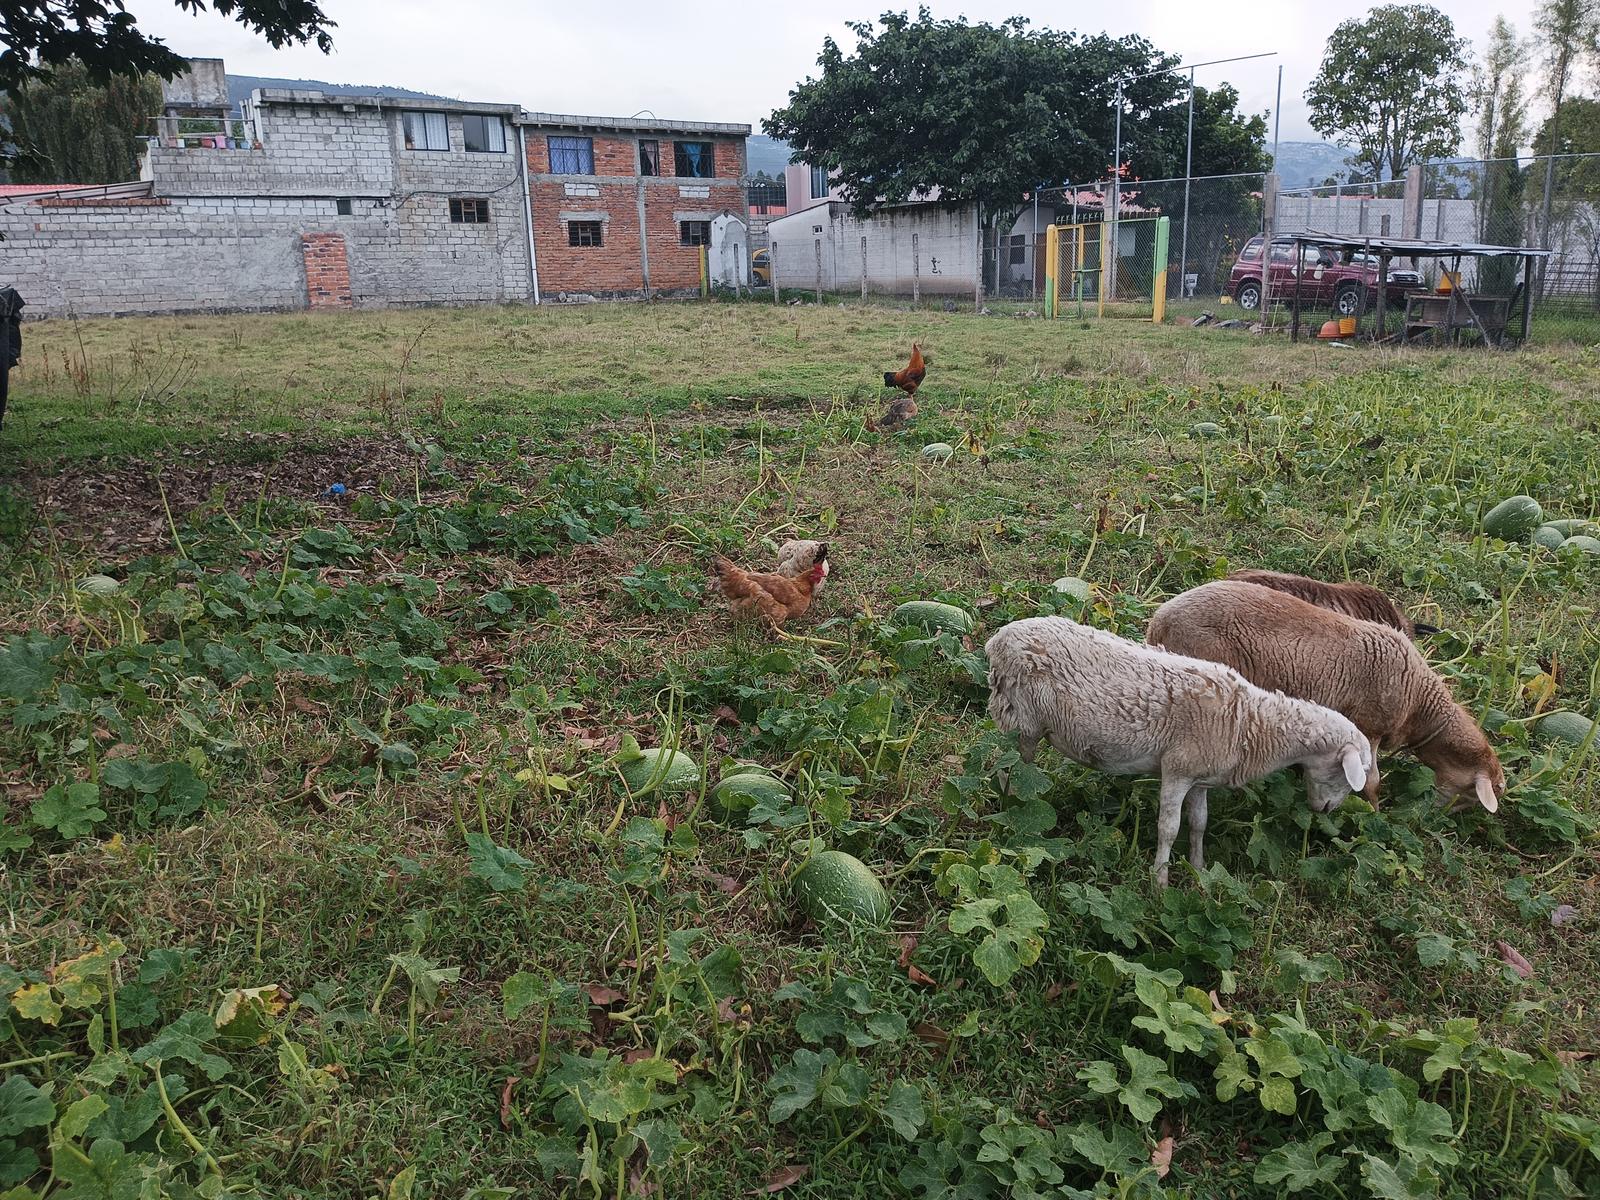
327, 271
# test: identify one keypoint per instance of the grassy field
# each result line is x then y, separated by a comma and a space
321, 880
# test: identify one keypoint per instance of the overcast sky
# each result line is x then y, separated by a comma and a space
737, 61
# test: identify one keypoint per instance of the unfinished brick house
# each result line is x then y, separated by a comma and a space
309, 200
622, 207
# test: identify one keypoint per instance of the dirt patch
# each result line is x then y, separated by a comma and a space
119, 508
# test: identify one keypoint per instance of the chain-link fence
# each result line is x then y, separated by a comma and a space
1106, 259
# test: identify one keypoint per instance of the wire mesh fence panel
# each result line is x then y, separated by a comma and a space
1212, 219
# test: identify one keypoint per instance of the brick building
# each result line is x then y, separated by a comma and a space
306, 200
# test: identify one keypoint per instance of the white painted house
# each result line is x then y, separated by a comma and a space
899, 248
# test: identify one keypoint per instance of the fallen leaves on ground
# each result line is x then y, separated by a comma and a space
780, 1179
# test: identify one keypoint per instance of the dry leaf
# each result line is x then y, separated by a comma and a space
920, 977
1515, 961
603, 996
505, 1101
908, 947
780, 1179
932, 1034
1569, 1057
1161, 1157
1563, 914
726, 716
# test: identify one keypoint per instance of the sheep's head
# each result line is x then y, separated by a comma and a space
1336, 771
1475, 778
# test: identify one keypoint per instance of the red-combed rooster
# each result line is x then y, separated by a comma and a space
774, 598
908, 379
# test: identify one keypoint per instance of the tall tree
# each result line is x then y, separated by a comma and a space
1569, 35
70, 129
1500, 130
1502, 107
1389, 87
983, 113
101, 34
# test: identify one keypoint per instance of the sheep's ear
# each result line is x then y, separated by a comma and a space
1485, 790
1355, 771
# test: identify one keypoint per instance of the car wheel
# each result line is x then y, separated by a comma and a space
1347, 301
1249, 295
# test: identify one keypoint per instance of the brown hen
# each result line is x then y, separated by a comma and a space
774, 598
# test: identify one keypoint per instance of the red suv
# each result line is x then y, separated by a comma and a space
1347, 283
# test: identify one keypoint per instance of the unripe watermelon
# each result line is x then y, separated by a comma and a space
1205, 429
1549, 537
1582, 542
1568, 727
1071, 585
1513, 519
836, 884
935, 617
743, 790
1567, 526
938, 451
660, 769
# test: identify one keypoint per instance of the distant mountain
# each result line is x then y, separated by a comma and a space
1308, 164
767, 155
240, 87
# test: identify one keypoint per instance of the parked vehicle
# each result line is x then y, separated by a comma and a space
1346, 283
761, 267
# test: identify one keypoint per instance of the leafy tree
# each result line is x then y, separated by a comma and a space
70, 129
1569, 34
983, 113
105, 38
1389, 87
1500, 131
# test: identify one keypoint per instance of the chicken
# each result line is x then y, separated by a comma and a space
901, 411
775, 598
797, 556
909, 378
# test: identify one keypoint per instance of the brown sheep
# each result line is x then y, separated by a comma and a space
1359, 600
1369, 672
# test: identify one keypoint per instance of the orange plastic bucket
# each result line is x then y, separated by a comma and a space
1347, 326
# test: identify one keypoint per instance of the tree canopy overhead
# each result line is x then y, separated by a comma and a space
1391, 88
38, 35
987, 112
72, 129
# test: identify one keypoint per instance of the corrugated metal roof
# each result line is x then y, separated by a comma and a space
1406, 247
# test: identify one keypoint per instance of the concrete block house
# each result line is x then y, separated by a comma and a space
308, 200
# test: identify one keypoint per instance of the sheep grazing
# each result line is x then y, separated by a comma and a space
1367, 671
1359, 600
1130, 710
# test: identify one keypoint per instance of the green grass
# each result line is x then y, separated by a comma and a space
364, 749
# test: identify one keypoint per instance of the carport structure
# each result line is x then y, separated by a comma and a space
1438, 316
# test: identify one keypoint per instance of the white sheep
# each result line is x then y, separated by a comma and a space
1130, 709
1367, 671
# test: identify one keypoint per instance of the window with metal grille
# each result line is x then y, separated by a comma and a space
583, 233
650, 158
341, 206
1019, 249
483, 135
694, 160
425, 131
571, 156
819, 182
469, 212
694, 233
